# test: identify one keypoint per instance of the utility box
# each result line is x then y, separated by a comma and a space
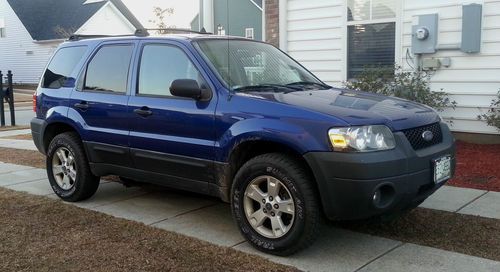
425, 34
471, 28
430, 64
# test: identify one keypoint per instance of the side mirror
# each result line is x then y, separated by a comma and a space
189, 88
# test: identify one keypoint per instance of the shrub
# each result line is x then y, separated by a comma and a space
492, 117
394, 81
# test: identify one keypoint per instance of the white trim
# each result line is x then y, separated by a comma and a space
263, 28
208, 16
92, 1
122, 16
261, 9
114, 8
326, 5
374, 21
200, 13
283, 25
398, 32
344, 44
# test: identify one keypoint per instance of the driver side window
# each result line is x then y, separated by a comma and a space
160, 66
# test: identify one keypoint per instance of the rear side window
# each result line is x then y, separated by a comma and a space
108, 70
62, 65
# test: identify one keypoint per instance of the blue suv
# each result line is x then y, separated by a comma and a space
239, 120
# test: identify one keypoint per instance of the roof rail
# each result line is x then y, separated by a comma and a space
78, 37
145, 31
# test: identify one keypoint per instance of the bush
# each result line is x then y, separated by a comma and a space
394, 81
492, 117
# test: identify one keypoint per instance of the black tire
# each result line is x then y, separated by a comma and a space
300, 185
85, 184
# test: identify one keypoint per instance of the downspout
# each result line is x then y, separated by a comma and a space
264, 28
283, 31
208, 15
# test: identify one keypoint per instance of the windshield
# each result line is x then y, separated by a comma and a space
245, 65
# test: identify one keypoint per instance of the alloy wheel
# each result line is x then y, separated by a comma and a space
64, 168
269, 207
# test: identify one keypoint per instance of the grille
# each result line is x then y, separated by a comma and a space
416, 140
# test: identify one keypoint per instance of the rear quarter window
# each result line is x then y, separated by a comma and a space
61, 66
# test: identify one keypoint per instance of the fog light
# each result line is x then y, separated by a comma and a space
376, 197
383, 196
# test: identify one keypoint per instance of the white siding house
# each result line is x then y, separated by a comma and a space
316, 33
26, 47
108, 21
18, 51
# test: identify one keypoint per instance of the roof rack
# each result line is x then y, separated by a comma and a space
144, 32
78, 37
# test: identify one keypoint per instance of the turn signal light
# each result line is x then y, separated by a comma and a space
338, 140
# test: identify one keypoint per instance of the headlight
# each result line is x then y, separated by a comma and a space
361, 139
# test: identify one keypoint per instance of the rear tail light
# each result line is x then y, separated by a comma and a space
34, 102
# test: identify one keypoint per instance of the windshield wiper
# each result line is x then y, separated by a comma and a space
305, 83
265, 87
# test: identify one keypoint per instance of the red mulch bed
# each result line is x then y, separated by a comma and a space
478, 166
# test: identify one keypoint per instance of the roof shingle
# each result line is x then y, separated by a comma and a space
56, 19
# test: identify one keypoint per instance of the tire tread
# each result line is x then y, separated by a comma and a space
88, 183
304, 181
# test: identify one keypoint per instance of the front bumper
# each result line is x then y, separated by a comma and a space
348, 181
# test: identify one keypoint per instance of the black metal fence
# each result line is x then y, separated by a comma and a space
7, 94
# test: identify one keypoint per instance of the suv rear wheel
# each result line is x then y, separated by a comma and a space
68, 169
275, 204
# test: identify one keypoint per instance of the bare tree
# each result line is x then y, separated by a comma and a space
160, 15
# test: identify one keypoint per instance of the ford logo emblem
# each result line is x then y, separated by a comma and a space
428, 136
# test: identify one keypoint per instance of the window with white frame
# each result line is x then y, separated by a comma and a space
371, 32
249, 33
2, 28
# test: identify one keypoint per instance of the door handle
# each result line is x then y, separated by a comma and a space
82, 105
144, 112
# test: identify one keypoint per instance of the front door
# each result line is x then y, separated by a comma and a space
171, 136
99, 105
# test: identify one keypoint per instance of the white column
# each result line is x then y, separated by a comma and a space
283, 10
263, 20
208, 15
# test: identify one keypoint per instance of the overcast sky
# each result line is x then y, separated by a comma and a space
184, 11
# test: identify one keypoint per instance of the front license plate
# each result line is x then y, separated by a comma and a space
442, 169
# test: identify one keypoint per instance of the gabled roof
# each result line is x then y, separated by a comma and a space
55, 19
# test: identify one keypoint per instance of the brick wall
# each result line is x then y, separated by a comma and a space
272, 22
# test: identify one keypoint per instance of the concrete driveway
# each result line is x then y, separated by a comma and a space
210, 220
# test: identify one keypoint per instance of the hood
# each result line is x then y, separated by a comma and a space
359, 108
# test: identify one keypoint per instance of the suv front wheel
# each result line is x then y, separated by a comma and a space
68, 169
275, 204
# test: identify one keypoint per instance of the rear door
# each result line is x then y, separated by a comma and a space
100, 103
177, 137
